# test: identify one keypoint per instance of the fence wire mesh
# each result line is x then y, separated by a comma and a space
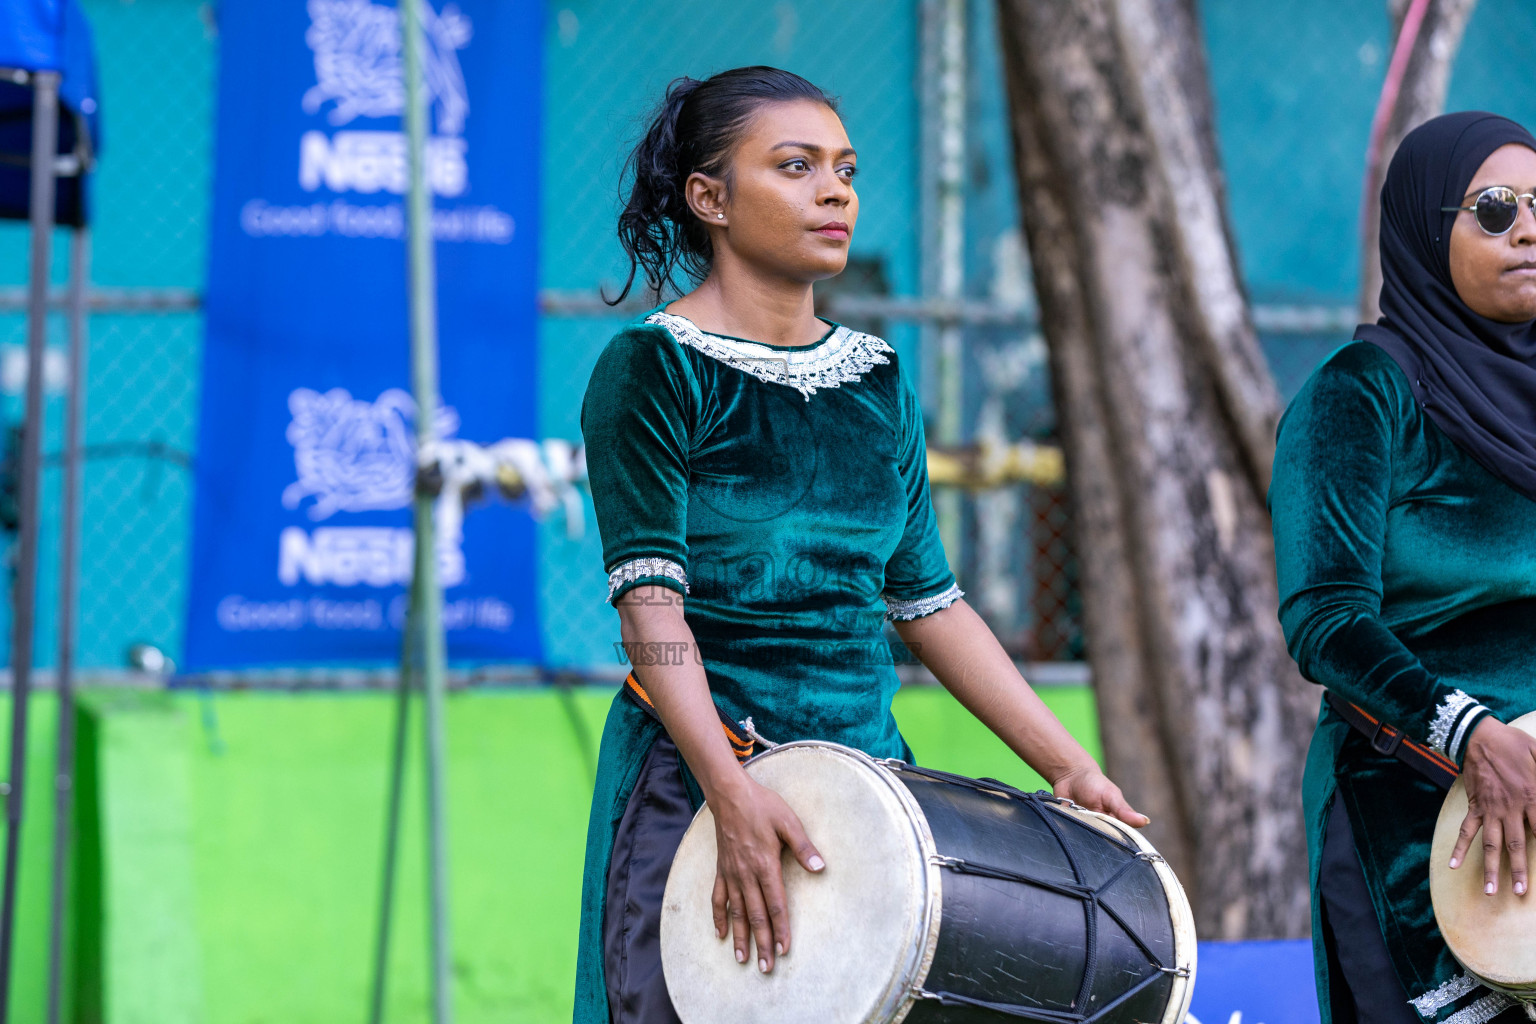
1299, 78
150, 199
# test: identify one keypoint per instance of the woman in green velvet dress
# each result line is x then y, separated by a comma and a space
1404, 505
759, 480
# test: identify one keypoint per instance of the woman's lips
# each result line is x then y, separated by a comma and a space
837, 230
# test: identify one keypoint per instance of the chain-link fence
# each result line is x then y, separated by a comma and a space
1295, 84
150, 200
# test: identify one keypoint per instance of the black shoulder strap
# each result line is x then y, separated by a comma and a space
741, 743
1389, 739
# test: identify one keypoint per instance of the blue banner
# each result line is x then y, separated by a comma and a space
302, 544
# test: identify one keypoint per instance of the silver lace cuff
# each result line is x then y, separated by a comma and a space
1454, 717
1457, 748
898, 610
628, 572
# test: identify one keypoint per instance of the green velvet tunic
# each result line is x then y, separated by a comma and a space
784, 490
1408, 586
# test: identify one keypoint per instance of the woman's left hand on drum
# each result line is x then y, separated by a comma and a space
1088, 787
1499, 772
752, 826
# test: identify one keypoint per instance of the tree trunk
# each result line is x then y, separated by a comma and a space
1167, 413
1417, 97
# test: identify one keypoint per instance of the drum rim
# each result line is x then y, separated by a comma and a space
1439, 871
901, 992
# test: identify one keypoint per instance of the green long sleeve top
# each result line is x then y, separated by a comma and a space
784, 490
1407, 578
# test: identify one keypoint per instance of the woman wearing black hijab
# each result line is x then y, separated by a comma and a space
1404, 506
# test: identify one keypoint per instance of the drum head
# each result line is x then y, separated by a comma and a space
863, 929
1489, 935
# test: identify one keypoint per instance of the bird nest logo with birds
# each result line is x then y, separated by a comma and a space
353, 455
359, 64
360, 74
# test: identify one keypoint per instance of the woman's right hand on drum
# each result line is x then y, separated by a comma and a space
752, 825
1088, 787
1499, 771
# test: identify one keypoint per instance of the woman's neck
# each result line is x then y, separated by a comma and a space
742, 304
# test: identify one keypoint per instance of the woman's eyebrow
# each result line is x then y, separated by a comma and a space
812, 148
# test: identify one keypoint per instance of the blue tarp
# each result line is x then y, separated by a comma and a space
45, 35
1255, 983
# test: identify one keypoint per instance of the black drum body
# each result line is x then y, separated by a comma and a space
945, 900
1047, 914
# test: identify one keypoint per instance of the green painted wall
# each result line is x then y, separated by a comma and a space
241, 840
29, 977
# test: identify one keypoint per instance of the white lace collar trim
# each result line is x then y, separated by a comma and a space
844, 356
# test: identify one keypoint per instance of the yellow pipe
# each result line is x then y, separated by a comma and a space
983, 466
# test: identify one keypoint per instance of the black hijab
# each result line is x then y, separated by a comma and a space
1474, 377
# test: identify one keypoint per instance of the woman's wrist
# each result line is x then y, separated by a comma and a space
723, 784
1484, 731
1070, 769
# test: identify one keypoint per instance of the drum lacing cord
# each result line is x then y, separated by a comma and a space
1077, 889
985, 785
1082, 892
1089, 895
1049, 1016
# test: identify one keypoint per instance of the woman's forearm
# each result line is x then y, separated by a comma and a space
1343, 644
958, 648
664, 656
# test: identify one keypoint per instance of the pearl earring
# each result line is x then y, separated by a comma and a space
720, 216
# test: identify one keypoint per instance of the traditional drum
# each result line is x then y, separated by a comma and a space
944, 899
1489, 935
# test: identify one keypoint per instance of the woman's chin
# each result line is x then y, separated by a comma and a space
1517, 309
820, 270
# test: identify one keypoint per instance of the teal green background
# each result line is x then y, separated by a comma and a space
1295, 84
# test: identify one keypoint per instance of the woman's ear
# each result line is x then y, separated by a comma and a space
706, 197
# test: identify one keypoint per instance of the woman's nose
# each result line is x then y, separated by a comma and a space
1524, 231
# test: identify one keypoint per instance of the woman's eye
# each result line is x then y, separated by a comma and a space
848, 172
797, 165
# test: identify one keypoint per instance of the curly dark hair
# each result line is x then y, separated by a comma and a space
696, 127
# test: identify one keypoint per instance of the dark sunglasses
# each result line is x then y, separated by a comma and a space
1496, 208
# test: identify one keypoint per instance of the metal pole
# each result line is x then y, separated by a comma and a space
64, 775
951, 248
427, 614
45, 141
408, 652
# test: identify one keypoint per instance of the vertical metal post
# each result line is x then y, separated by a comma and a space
408, 661
64, 774
427, 611
45, 142
950, 239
